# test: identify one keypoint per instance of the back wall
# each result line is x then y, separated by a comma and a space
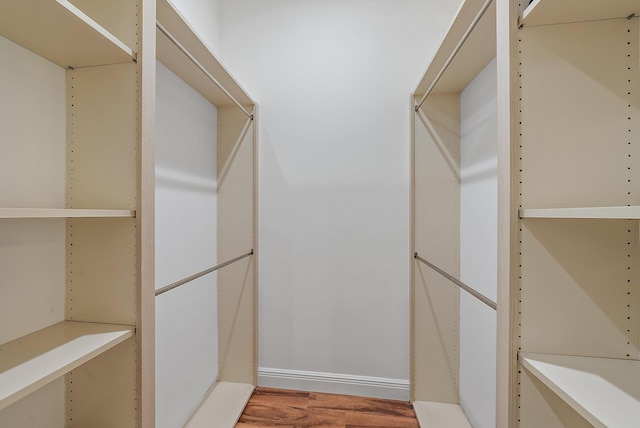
333, 78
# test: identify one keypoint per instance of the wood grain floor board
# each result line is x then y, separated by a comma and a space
376, 406
296, 409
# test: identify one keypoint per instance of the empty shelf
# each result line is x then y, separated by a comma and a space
222, 406
606, 392
32, 361
63, 213
586, 212
544, 12
436, 415
61, 33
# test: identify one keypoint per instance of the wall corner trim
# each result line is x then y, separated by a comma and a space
394, 389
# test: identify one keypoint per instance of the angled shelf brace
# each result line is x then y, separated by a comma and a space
200, 274
484, 299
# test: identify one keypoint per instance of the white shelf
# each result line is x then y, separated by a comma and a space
614, 213
545, 12
32, 361
606, 392
16, 213
222, 406
61, 33
436, 415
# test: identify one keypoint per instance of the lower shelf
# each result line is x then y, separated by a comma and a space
604, 391
435, 415
32, 361
222, 406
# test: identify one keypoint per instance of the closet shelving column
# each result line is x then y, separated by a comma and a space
576, 168
181, 50
468, 47
70, 323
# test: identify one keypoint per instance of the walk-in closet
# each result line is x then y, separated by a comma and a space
437, 202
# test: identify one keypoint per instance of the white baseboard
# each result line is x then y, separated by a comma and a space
365, 386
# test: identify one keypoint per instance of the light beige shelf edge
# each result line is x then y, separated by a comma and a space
475, 54
16, 213
98, 28
170, 18
547, 12
32, 361
47, 26
437, 415
583, 212
606, 392
222, 406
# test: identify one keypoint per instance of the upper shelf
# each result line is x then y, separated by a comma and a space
606, 392
545, 12
176, 61
61, 33
63, 213
478, 50
585, 212
29, 363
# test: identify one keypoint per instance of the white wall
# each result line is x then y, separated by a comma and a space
478, 246
333, 79
204, 18
186, 231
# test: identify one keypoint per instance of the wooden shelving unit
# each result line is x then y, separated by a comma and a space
183, 52
605, 391
467, 50
74, 165
33, 361
575, 285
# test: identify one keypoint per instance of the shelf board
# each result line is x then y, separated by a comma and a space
614, 213
606, 392
61, 33
435, 415
16, 213
172, 58
545, 12
30, 362
478, 51
222, 406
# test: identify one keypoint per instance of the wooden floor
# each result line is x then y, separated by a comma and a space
282, 408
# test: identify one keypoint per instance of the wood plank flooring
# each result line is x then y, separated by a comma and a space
296, 409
